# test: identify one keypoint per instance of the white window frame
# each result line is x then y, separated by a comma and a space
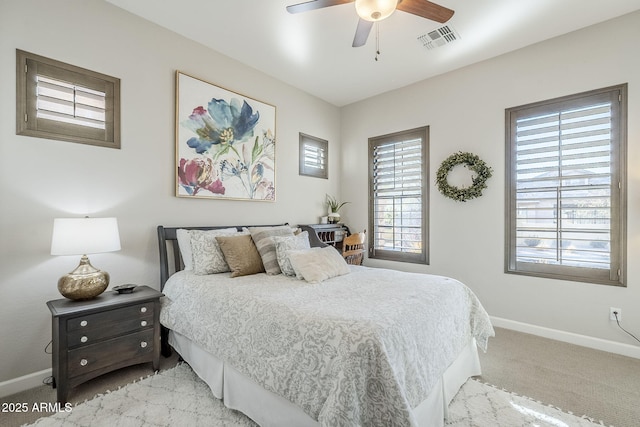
314, 156
100, 127
398, 250
614, 272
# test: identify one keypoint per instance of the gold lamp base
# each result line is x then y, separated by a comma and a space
85, 282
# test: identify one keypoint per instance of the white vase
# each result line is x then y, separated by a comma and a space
334, 217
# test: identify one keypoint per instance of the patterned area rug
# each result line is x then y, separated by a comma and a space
482, 405
177, 397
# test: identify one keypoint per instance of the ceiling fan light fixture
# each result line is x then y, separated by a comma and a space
375, 10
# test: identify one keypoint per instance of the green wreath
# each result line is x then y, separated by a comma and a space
473, 162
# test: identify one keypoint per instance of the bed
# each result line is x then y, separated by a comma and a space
363, 347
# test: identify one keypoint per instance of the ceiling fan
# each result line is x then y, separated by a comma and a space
371, 11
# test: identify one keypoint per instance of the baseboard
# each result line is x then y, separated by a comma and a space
23, 383
569, 337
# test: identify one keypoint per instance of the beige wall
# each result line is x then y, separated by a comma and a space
43, 179
465, 111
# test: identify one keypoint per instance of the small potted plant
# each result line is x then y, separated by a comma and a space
334, 206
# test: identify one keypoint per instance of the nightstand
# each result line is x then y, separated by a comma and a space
109, 332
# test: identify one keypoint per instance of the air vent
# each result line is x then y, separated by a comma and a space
438, 37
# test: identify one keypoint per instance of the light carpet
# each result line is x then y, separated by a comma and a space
177, 397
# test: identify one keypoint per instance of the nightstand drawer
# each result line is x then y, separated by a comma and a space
91, 357
106, 319
90, 336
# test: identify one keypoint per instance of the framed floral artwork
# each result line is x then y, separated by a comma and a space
225, 143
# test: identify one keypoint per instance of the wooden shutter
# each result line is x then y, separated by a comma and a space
313, 156
398, 197
64, 102
566, 187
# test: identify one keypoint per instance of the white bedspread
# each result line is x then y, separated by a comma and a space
359, 349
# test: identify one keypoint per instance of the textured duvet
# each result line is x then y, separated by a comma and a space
361, 349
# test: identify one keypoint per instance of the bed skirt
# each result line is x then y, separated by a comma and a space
271, 410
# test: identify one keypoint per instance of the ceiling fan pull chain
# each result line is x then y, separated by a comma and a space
377, 40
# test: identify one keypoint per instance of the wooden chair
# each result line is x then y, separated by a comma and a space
353, 248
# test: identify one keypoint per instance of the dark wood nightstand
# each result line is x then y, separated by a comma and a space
109, 332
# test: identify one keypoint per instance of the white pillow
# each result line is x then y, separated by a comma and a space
284, 244
184, 243
318, 264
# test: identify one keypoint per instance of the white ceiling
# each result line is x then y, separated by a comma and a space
312, 50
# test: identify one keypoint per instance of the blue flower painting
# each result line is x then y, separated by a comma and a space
225, 143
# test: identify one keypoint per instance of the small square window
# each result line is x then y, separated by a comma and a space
64, 102
314, 154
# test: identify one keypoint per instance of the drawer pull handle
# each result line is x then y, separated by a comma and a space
83, 323
84, 339
143, 344
143, 310
143, 323
84, 362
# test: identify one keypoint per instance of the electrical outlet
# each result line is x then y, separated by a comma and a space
613, 316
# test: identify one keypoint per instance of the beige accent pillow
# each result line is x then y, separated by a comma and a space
241, 255
263, 238
318, 264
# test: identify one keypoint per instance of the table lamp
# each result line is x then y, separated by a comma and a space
82, 236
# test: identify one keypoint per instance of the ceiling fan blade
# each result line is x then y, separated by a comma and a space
426, 9
316, 4
362, 33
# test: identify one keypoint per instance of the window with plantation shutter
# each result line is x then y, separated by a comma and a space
398, 196
566, 187
64, 102
70, 103
313, 156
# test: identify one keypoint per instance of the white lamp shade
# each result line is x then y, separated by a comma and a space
82, 236
375, 10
